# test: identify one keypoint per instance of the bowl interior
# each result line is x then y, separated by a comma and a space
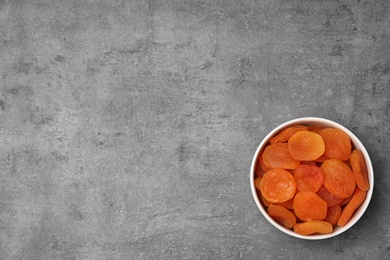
355, 144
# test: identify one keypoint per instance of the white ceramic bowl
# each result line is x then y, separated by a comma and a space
355, 144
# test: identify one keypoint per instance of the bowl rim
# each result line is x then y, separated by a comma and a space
355, 143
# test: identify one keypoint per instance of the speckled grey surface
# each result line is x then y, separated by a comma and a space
127, 128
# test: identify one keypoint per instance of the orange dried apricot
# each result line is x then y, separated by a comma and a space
288, 204
359, 169
339, 179
357, 199
337, 143
257, 182
313, 227
306, 146
309, 206
258, 171
260, 161
287, 133
277, 156
314, 128
264, 200
330, 199
308, 177
346, 201
333, 214
308, 163
277, 185
282, 215
321, 159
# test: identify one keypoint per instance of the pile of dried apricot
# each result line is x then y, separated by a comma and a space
311, 179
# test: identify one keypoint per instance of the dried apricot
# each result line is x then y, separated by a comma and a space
321, 159
313, 227
308, 177
333, 214
282, 215
314, 128
359, 169
306, 146
261, 163
288, 204
308, 163
278, 185
357, 199
264, 200
339, 179
258, 171
337, 143
346, 201
309, 206
287, 133
330, 199
277, 156
257, 182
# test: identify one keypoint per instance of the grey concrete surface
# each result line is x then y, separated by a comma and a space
127, 128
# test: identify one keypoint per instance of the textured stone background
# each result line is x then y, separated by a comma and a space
127, 128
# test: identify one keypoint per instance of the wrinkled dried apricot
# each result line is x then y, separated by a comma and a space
287, 133
306, 146
308, 177
278, 185
337, 143
282, 215
313, 227
339, 179
309, 206
357, 199
277, 156
359, 169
